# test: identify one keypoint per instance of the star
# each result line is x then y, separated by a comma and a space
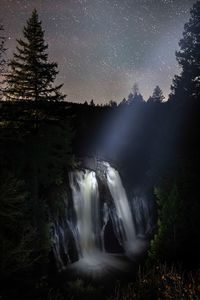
103, 47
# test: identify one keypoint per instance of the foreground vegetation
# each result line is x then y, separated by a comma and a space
157, 282
160, 282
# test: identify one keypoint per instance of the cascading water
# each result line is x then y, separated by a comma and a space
88, 222
86, 204
123, 209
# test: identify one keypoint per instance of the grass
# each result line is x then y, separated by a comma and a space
159, 283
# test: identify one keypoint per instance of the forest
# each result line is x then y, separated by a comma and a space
153, 143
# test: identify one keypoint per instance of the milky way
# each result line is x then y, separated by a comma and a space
103, 47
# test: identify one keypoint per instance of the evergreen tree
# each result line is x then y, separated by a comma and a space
168, 242
138, 98
92, 103
135, 89
187, 84
2, 57
135, 97
112, 103
123, 102
18, 236
130, 98
157, 96
31, 76
2, 50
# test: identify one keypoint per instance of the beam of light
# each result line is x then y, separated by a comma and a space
113, 135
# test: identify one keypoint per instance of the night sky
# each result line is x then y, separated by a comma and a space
103, 47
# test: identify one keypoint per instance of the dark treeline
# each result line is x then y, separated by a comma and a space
155, 145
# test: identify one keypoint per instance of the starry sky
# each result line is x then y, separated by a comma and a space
103, 47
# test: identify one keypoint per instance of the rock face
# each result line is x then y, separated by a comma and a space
100, 219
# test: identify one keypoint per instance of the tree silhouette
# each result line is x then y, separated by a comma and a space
157, 96
187, 84
123, 102
2, 57
2, 49
31, 76
135, 89
112, 103
92, 103
135, 97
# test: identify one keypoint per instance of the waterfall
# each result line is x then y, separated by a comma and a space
92, 220
123, 209
86, 204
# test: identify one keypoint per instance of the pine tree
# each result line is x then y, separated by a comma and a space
18, 249
187, 84
167, 242
123, 102
92, 103
2, 50
157, 96
2, 58
135, 97
112, 103
31, 76
130, 98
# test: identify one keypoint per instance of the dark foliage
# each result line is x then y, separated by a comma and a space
31, 76
2, 49
187, 84
157, 96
